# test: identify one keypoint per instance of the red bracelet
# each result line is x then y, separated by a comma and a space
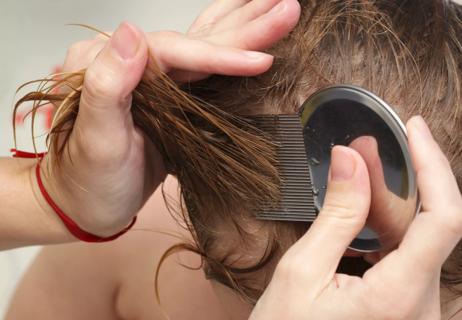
67, 221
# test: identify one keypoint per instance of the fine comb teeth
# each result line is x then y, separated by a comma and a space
297, 199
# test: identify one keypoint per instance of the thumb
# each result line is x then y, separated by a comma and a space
343, 214
109, 81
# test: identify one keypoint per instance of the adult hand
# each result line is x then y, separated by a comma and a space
110, 169
389, 215
405, 283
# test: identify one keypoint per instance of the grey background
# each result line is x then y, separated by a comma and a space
34, 38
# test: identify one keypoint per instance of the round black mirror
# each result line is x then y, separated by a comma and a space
354, 117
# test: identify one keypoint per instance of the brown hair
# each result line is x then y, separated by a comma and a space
407, 52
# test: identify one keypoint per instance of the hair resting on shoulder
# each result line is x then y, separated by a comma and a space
407, 52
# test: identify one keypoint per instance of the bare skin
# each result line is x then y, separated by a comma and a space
116, 280
108, 152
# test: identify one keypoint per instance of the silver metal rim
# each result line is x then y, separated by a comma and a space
382, 109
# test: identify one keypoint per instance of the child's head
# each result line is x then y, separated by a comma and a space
407, 52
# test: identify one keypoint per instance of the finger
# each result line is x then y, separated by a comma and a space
431, 166
264, 31
109, 81
246, 13
103, 36
390, 215
435, 231
78, 57
214, 12
81, 54
342, 216
174, 50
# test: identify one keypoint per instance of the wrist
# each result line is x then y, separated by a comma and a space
26, 219
84, 216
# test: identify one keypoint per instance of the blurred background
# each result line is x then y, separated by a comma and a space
33, 41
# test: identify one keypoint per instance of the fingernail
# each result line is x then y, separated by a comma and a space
255, 55
281, 6
125, 41
342, 165
422, 128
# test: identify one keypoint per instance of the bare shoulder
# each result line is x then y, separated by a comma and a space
184, 292
116, 280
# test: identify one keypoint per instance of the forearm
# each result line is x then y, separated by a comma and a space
26, 219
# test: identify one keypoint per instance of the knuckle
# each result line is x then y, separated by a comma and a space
97, 149
102, 36
454, 224
291, 267
77, 48
284, 269
202, 29
98, 85
80, 55
341, 212
163, 38
162, 44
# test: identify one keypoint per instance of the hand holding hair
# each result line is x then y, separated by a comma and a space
114, 168
101, 167
405, 283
